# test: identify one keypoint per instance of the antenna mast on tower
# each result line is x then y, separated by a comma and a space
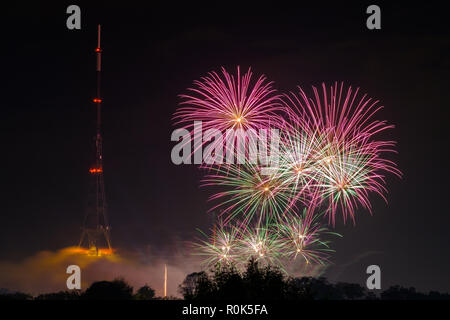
96, 229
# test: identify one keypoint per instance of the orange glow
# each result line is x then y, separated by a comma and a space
92, 252
95, 170
97, 50
105, 252
97, 100
78, 250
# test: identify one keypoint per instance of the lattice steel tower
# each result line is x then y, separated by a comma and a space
96, 229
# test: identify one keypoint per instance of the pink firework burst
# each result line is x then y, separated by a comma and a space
230, 102
349, 161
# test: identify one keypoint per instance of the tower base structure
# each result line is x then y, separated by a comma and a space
97, 241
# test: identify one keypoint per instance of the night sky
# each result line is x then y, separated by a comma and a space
152, 53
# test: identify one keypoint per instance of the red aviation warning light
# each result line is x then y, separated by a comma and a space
97, 100
95, 170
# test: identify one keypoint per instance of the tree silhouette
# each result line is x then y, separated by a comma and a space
61, 295
350, 291
269, 283
108, 290
299, 289
401, 293
227, 283
263, 283
196, 285
7, 296
145, 293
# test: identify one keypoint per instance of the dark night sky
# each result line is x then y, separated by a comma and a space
151, 54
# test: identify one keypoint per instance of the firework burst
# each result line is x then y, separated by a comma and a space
346, 181
250, 195
260, 244
348, 162
230, 102
301, 152
339, 113
301, 236
220, 248
329, 161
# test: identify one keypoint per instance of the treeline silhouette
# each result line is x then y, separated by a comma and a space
268, 283
254, 283
117, 289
